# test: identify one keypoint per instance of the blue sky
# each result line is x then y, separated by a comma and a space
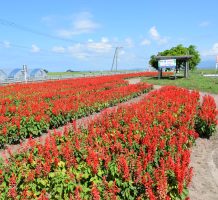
83, 34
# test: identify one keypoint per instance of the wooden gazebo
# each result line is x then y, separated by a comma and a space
185, 58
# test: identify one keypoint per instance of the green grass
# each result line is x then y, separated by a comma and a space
196, 81
81, 73
207, 71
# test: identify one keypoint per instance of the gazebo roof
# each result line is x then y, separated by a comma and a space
185, 57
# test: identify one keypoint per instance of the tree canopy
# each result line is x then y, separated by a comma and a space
45, 70
179, 50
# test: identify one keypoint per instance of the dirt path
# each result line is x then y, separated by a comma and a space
134, 80
204, 160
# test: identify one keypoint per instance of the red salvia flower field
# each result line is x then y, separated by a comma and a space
138, 151
28, 110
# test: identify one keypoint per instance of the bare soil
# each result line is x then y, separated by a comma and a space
204, 160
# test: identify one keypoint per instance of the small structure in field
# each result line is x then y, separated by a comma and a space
17, 74
3, 75
185, 59
38, 74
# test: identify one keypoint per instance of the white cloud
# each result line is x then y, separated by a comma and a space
35, 49
6, 44
91, 48
154, 33
78, 51
65, 33
204, 24
58, 49
82, 23
146, 42
156, 36
103, 46
211, 52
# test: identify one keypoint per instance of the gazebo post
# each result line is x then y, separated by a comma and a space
159, 75
186, 69
161, 72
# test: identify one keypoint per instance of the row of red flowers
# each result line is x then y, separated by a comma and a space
141, 151
31, 109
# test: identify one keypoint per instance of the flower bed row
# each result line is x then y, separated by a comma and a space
140, 151
28, 110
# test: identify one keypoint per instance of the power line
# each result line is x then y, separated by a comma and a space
27, 29
14, 45
12, 24
49, 52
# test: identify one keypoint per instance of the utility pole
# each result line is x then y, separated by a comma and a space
115, 58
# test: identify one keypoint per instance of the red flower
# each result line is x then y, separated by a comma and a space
95, 193
92, 160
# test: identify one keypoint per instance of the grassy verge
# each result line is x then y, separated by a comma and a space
80, 73
195, 81
70, 73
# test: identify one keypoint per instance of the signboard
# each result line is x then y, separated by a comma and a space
170, 63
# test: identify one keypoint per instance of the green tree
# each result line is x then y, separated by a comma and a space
179, 50
196, 57
45, 70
